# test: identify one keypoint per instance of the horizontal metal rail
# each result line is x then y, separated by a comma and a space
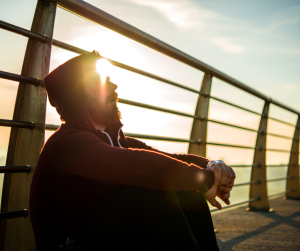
19, 78
279, 165
98, 16
151, 107
143, 136
248, 110
55, 127
24, 124
24, 32
281, 178
253, 165
278, 150
258, 165
240, 165
51, 127
14, 214
279, 136
68, 47
150, 75
229, 145
153, 137
156, 108
247, 183
234, 105
15, 169
283, 192
281, 121
235, 204
231, 125
16, 123
244, 147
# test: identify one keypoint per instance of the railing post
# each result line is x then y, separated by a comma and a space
293, 168
259, 171
199, 128
25, 144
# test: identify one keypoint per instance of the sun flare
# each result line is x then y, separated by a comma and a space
104, 68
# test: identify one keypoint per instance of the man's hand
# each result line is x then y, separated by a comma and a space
227, 174
224, 181
223, 193
211, 194
227, 182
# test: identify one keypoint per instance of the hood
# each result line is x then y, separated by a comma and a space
65, 88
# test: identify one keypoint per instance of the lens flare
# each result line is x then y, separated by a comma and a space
103, 67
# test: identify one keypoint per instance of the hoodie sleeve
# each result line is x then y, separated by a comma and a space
83, 154
188, 158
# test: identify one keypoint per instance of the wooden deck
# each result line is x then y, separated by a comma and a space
238, 229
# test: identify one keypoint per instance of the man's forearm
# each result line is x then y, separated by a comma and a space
188, 158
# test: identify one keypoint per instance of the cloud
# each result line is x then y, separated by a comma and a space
281, 21
226, 45
235, 34
182, 13
186, 15
290, 86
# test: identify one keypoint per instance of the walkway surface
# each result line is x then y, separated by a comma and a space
238, 229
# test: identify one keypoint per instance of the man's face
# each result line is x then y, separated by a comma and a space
101, 96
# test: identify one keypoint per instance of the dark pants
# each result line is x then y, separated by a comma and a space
135, 218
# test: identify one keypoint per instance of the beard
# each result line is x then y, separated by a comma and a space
105, 114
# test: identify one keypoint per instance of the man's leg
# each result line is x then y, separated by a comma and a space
164, 222
197, 213
116, 224
136, 217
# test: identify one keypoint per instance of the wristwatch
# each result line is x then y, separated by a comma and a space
214, 162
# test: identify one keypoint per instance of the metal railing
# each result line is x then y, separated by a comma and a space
23, 154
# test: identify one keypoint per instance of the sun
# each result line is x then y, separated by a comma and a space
104, 68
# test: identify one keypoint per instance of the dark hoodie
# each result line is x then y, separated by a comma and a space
79, 165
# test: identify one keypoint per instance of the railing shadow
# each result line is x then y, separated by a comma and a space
274, 220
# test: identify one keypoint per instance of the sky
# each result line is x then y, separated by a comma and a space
255, 42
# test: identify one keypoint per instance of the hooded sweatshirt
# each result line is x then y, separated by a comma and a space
80, 165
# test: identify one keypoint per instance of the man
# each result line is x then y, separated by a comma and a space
113, 192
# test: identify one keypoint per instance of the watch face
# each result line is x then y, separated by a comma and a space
215, 162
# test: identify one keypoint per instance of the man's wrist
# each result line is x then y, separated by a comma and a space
209, 181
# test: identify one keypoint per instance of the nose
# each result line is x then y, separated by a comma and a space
113, 86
